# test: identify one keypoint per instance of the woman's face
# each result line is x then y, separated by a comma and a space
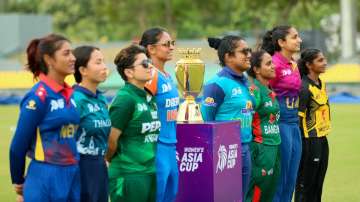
318, 65
96, 70
267, 70
141, 69
63, 61
292, 41
163, 49
241, 57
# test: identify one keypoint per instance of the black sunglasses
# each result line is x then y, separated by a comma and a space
166, 44
245, 51
145, 63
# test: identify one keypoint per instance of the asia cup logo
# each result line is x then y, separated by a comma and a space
222, 154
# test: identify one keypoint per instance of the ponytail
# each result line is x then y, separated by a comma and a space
270, 40
36, 50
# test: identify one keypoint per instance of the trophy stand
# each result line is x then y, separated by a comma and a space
208, 154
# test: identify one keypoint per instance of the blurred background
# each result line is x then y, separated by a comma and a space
329, 25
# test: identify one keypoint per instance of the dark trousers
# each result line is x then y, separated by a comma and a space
313, 166
94, 179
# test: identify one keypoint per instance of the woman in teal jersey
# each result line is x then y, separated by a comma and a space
266, 135
227, 96
94, 129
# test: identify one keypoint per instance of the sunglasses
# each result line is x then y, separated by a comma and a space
245, 51
147, 63
166, 44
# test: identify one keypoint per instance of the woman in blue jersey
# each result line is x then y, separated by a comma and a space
46, 127
159, 46
94, 129
226, 96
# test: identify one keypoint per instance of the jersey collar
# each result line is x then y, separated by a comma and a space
53, 85
235, 75
65, 90
86, 91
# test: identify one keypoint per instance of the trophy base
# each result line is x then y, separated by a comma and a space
189, 111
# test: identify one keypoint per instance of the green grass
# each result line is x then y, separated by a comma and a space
342, 181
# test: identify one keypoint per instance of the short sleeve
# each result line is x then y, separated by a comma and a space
121, 111
304, 98
213, 97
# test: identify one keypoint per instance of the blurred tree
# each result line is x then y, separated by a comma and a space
104, 20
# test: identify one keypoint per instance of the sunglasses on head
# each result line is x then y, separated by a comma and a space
166, 44
245, 51
145, 63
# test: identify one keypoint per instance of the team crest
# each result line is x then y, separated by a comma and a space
31, 105
252, 89
272, 95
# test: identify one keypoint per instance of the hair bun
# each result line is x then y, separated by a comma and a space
214, 42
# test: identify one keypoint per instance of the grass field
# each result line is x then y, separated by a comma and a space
342, 182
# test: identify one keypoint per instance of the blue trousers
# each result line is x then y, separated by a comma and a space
246, 168
167, 173
94, 179
48, 182
290, 152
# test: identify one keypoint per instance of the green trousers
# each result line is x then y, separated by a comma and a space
265, 172
133, 188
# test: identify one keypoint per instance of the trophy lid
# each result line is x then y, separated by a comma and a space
189, 53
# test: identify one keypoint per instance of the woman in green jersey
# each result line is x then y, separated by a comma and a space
266, 133
134, 132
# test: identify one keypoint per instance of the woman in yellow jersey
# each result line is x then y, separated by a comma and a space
314, 113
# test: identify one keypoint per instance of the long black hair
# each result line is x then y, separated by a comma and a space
307, 56
40, 47
82, 55
270, 40
151, 36
224, 45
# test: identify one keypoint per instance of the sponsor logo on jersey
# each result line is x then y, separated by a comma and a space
166, 87
286, 72
68, 131
236, 91
248, 107
172, 102
57, 104
142, 107
151, 138
31, 105
150, 126
102, 123
268, 104
209, 101
93, 107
